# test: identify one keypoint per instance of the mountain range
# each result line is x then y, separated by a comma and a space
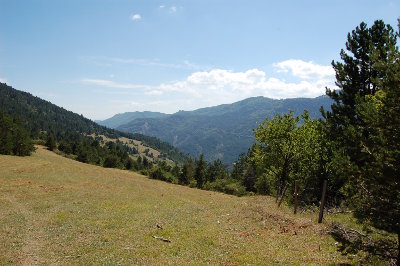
219, 132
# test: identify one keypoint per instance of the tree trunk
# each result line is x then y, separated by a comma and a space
282, 180
398, 249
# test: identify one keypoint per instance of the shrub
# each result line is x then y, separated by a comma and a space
111, 161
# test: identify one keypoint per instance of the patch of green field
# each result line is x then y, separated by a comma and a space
54, 210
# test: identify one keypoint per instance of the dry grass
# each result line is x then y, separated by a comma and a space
54, 210
139, 146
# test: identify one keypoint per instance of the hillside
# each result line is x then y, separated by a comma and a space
39, 117
221, 132
58, 211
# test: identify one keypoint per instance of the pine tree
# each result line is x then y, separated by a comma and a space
365, 123
356, 78
187, 174
200, 171
50, 141
14, 139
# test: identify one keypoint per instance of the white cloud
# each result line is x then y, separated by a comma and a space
162, 7
305, 70
136, 17
3, 80
254, 82
218, 86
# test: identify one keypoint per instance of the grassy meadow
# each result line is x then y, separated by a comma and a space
57, 211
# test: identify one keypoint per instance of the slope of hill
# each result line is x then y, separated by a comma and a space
121, 119
58, 211
40, 116
221, 132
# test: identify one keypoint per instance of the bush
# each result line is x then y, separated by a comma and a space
264, 184
111, 161
65, 147
82, 157
159, 174
226, 185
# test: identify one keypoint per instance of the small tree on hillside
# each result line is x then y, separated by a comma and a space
50, 141
187, 173
200, 171
216, 171
276, 151
111, 161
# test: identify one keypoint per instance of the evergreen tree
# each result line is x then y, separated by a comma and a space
365, 122
139, 162
146, 163
239, 167
176, 171
50, 141
249, 177
14, 139
356, 78
129, 164
23, 145
200, 171
215, 171
111, 161
244, 170
82, 156
187, 174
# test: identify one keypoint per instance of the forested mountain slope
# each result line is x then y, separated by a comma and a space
221, 132
40, 117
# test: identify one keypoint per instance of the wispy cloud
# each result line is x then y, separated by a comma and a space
113, 84
136, 17
172, 9
104, 61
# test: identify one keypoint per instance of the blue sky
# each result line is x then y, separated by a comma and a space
102, 57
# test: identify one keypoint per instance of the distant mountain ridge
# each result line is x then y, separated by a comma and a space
124, 118
224, 131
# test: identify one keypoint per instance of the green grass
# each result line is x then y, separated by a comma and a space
54, 210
